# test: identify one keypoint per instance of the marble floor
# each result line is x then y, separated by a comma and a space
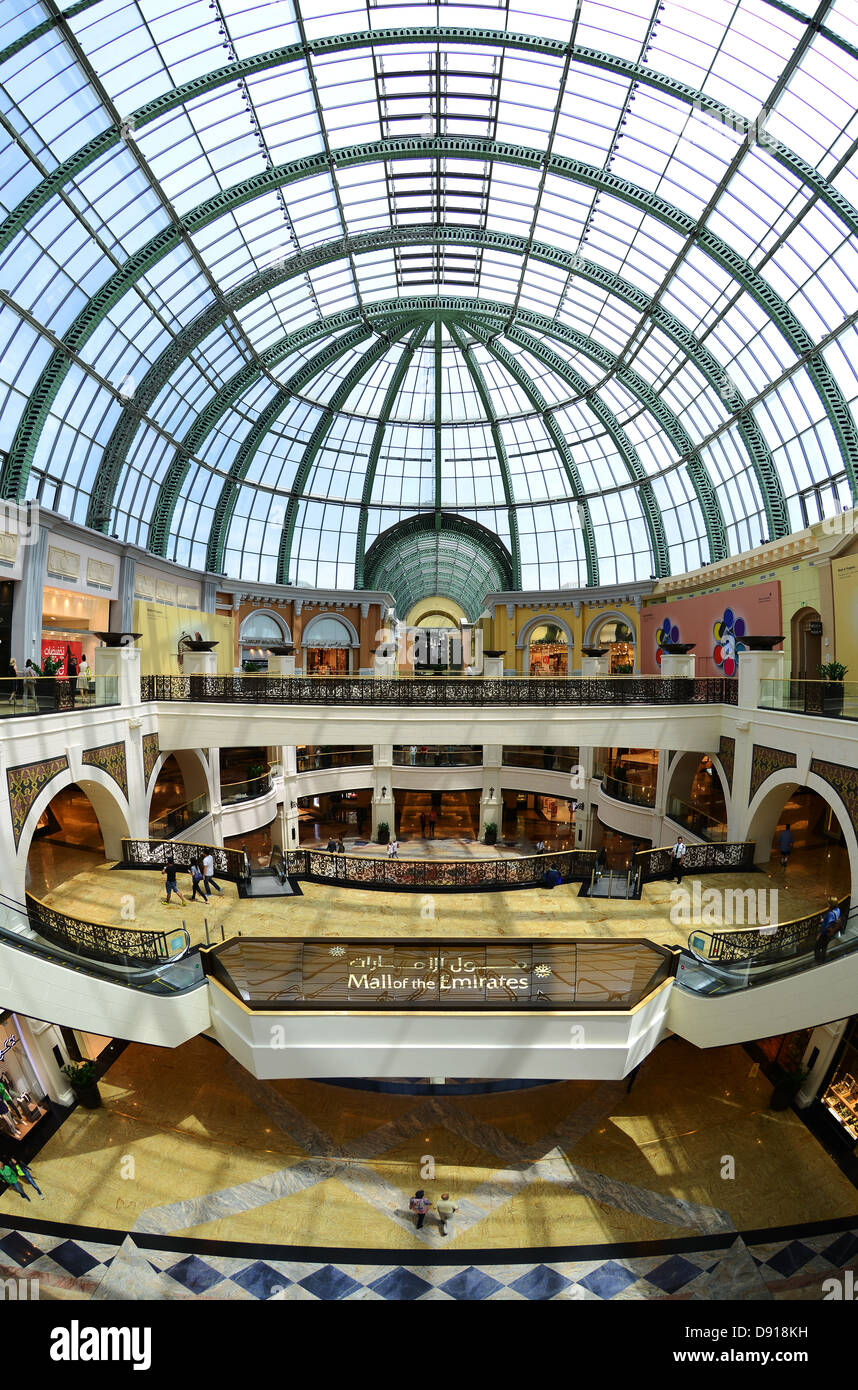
196, 1180
102, 894
188, 1143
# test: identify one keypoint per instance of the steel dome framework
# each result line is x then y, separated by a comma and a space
274, 281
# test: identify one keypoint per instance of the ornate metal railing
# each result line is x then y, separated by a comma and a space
450, 693
736, 857
763, 944
96, 941
138, 854
367, 871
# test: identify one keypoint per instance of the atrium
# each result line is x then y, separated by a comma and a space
428, 651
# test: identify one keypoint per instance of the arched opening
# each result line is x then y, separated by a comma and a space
818, 859
257, 633
805, 644
548, 652
80, 828
619, 638
695, 797
328, 645
179, 796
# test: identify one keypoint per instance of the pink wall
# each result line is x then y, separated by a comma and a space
755, 609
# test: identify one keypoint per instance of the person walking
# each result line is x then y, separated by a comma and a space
419, 1204
423, 825
432, 820
445, 1210
341, 845
829, 927
14, 684
24, 1175
208, 875
412, 755
9, 1175
169, 871
786, 840
197, 882
677, 858
71, 672
29, 682
393, 849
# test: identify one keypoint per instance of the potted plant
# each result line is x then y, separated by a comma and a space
832, 674
787, 1088
383, 832
48, 686
252, 667
81, 1077
491, 835
255, 771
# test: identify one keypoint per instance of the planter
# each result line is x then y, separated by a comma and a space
118, 639
761, 644
679, 648
88, 1096
281, 649
383, 835
595, 651
490, 837
832, 698
195, 645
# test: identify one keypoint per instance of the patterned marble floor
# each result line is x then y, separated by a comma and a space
102, 894
789, 1265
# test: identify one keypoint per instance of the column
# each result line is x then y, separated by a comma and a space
675, 665
289, 831
29, 595
138, 811
585, 816
214, 795
280, 664
818, 1055
491, 801
199, 663
755, 667
383, 807
117, 676
122, 607
595, 665
39, 1040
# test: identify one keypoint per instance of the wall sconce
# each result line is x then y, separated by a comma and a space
294, 805
491, 793
384, 792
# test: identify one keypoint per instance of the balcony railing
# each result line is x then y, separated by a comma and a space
831, 699
438, 755
153, 853
32, 695
174, 819
369, 871
454, 692
245, 790
767, 944
734, 857
699, 822
632, 792
323, 761
96, 941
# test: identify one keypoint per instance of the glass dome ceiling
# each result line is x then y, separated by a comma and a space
276, 279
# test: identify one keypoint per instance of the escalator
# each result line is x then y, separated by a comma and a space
272, 881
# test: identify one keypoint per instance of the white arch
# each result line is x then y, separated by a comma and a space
354, 639
761, 817
608, 615
112, 811
282, 625
195, 771
523, 639
681, 759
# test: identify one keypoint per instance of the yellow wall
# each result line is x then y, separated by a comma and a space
161, 626
844, 573
503, 634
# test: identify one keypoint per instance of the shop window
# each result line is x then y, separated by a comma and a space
549, 651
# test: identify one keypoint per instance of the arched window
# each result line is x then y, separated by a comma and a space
549, 650
328, 644
619, 638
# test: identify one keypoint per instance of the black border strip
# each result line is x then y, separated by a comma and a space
325, 1254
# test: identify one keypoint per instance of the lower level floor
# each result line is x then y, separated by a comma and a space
194, 1179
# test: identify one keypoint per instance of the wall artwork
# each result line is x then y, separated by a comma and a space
25, 783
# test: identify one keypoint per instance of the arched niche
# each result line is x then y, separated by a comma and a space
766, 808
110, 807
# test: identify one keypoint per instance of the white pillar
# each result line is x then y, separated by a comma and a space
280, 665
117, 676
214, 796
825, 1041
491, 801
595, 665
39, 1040
199, 663
755, 667
383, 806
584, 815
289, 831
493, 668
138, 811
675, 665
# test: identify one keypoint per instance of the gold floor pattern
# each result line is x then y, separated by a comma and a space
189, 1143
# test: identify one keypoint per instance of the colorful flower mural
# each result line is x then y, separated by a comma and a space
728, 633
668, 632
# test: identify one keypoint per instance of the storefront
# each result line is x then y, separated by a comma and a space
328, 644
838, 1097
549, 651
70, 621
23, 1102
257, 633
619, 639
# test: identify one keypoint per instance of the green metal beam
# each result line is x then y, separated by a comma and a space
320, 433
500, 448
627, 451
171, 487
16, 467
234, 72
377, 440
462, 559
438, 379
156, 378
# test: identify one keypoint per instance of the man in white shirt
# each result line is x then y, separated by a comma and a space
393, 849
678, 856
208, 871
